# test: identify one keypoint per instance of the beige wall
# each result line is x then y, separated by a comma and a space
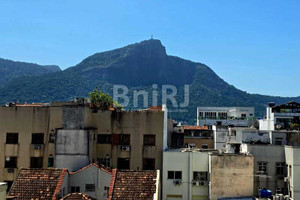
231, 175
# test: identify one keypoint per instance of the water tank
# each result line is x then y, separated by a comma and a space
265, 193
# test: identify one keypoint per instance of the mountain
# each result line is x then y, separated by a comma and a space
137, 66
10, 69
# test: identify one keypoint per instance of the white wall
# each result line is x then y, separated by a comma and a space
187, 162
3, 187
91, 175
292, 159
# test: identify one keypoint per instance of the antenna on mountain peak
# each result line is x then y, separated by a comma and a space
151, 36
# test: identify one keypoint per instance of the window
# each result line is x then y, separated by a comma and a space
278, 141
148, 164
262, 168
280, 168
124, 139
75, 189
89, 187
149, 140
50, 162
10, 162
204, 146
123, 163
200, 115
51, 138
210, 115
12, 138
200, 176
37, 138
36, 162
175, 175
104, 139
222, 115
243, 115
279, 190
104, 161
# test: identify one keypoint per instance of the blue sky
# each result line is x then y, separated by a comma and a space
252, 44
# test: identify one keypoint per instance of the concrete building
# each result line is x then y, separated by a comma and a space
220, 136
269, 166
206, 174
72, 135
185, 174
3, 189
293, 168
281, 117
231, 175
227, 116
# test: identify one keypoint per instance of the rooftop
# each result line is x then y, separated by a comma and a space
37, 184
129, 185
78, 196
105, 169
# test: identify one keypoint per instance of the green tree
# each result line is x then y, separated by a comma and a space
100, 100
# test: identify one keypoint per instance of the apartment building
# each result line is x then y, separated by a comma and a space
293, 171
72, 135
227, 116
281, 117
206, 174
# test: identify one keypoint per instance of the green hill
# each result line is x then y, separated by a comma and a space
138, 66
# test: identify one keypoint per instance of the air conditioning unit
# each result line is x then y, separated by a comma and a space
202, 183
37, 147
10, 170
195, 183
177, 182
125, 148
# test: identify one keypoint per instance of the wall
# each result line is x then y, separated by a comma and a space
91, 175
3, 188
271, 154
231, 175
71, 149
220, 135
293, 162
187, 162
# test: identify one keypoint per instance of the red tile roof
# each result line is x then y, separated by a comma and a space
132, 185
101, 167
34, 184
195, 127
78, 196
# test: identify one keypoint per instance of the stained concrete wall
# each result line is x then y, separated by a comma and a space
73, 117
3, 187
231, 175
71, 149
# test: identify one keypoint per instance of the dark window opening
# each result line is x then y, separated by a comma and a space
50, 162
149, 140
52, 138
204, 146
12, 138
89, 187
37, 138
175, 175
75, 189
148, 164
123, 163
36, 162
104, 161
200, 176
10, 162
124, 139
104, 139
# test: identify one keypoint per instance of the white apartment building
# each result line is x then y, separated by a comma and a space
185, 175
235, 116
280, 117
293, 172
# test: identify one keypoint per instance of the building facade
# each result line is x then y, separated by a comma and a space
41, 136
235, 116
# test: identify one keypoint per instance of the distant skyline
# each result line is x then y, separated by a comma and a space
253, 45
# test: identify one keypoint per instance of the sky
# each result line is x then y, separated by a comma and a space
251, 44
